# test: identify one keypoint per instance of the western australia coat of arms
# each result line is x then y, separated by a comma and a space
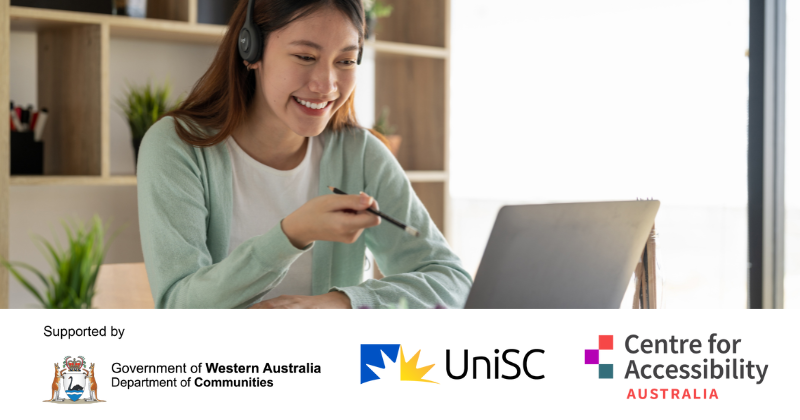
74, 381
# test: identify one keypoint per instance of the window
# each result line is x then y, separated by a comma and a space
791, 285
612, 100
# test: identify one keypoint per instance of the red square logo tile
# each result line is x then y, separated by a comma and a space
606, 342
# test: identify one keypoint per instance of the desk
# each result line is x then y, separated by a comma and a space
122, 286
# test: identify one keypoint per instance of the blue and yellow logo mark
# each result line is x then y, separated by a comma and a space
375, 358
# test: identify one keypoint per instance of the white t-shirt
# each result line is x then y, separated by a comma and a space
263, 196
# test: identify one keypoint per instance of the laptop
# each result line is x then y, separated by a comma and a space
562, 256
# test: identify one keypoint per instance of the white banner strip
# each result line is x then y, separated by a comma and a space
396, 363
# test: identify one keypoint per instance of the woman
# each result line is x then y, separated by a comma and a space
233, 202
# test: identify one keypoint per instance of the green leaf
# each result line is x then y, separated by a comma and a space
75, 268
143, 105
23, 281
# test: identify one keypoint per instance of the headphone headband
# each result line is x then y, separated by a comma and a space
251, 42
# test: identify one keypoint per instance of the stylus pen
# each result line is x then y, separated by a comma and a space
401, 225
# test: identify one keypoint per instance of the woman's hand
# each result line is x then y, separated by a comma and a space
332, 217
331, 300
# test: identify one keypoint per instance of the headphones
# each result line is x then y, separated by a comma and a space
251, 42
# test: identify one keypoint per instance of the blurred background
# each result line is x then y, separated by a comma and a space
609, 100
618, 100
528, 102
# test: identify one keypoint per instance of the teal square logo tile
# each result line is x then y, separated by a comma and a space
606, 371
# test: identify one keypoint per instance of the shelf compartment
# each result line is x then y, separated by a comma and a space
70, 86
33, 19
413, 88
422, 22
178, 10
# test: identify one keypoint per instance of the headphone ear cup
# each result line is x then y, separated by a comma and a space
250, 43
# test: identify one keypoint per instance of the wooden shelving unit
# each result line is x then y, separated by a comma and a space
412, 79
5, 167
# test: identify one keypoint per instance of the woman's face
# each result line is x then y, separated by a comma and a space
308, 70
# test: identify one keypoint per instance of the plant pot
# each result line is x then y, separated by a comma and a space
394, 143
137, 141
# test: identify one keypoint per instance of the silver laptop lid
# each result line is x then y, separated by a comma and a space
576, 255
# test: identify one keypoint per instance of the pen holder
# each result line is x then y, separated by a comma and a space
27, 155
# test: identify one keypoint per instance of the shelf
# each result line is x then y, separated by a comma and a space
36, 19
398, 48
427, 176
413, 176
72, 180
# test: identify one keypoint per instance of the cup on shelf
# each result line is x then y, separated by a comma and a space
27, 155
132, 8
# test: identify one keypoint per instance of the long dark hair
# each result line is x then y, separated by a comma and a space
218, 101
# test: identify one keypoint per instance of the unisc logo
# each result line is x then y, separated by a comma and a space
377, 361
485, 361
380, 361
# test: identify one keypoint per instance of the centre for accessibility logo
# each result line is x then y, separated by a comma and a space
592, 357
376, 358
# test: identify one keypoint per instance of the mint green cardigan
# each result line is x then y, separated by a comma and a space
185, 208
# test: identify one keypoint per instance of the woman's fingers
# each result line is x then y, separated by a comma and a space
353, 222
374, 204
337, 218
360, 220
281, 302
349, 202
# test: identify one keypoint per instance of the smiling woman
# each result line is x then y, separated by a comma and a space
233, 201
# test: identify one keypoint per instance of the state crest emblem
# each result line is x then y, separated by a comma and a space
71, 381
74, 381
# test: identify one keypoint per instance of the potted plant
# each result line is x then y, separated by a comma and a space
375, 9
71, 286
387, 131
143, 106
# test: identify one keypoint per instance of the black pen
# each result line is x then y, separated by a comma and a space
401, 225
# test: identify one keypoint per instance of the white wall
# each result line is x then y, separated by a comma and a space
136, 62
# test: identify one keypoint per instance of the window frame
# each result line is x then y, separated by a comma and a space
766, 153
